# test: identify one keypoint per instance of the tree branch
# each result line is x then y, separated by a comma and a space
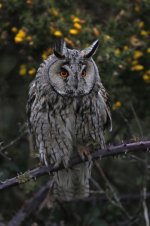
107, 152
31, 205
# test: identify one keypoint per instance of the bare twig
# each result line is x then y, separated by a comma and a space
115, 200
122, 149
144, 191
100, 196
145, 208
96, 184
31, 205
5, 156
129, 197
12, 142
23, 130
137, 120
137, 158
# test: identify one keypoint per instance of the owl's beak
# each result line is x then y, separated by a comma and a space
75, 82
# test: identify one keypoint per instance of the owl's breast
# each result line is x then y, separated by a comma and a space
88, 119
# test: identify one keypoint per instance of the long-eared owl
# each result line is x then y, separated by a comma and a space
67, 112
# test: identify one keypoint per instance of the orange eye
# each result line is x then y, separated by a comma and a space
64, 74
83, 73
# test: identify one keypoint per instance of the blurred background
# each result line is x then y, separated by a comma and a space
28, 31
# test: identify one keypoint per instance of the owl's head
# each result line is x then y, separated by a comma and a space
73, 72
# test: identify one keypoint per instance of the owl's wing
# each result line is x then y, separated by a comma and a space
31, 99
105, 97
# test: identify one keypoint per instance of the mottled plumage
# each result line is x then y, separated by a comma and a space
67, 111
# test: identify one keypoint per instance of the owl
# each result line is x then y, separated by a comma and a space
67, 112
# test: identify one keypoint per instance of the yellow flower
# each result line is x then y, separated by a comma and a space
117, 52
73, 31
21, 33
14, 29
1, 5
58, 33
146, 77
137, 67
141, 24
20, 36
116, 105
137, 54
148, 50
76, 20
77, 26
144, 33
32, 71
126, 48
23, 70
18, 39
148, 72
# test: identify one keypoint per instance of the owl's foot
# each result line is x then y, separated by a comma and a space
85, 151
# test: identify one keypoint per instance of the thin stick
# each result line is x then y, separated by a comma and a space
116, 200
145, 208
11, 143
137, 120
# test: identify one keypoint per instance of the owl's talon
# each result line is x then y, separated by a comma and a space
84, 151
89, 156
82, 156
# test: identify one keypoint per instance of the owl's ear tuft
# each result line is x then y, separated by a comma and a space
90, 51
59, 49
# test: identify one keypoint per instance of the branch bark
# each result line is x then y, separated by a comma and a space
109, 151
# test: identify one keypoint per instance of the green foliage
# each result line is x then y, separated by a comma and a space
28, 32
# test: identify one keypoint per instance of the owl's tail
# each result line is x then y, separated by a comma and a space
73, 183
